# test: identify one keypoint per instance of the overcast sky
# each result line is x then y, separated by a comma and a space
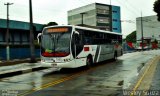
45, 11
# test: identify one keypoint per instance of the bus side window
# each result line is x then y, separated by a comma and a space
87, 40
77, 39
78, 43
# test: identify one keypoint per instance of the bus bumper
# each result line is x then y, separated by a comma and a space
70, 64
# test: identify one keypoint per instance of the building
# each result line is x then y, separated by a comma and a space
150, 28
18, 38
18, 31
106, 17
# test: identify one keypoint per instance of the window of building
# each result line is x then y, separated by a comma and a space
115, 28
1, 37
115, 20
104, 27
16, 37
114, 11
102, 11
102, 19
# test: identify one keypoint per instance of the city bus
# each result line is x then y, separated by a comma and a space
75, 46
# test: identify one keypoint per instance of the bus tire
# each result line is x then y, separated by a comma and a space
121, 52
115, 56
89, 62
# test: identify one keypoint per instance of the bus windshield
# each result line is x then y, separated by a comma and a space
55, 44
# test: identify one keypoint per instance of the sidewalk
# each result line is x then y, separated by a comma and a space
17, 67
15, 61
156, 79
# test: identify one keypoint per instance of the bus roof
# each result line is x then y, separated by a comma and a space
94, 29
85, 28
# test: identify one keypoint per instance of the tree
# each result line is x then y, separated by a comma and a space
156, 8
52, 23
155, 41
131, 37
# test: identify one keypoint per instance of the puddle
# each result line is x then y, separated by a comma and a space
140, 67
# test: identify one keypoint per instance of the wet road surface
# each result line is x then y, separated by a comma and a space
101, 80
155, 85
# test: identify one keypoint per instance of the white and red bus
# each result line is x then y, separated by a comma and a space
75, 46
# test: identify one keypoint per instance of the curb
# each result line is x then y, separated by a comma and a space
15, 62
19, 72
147, 74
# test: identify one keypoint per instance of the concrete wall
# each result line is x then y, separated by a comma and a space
97, 14
74, 16
151, 28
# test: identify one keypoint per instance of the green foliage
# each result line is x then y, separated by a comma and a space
131, 37
123, 40
51, 24
155, 41
156, 8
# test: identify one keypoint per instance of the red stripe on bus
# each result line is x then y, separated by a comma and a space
86, 48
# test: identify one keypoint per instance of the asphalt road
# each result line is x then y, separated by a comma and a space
155, 85
104, 79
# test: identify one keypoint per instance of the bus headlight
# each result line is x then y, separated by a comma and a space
42, 60
67, 60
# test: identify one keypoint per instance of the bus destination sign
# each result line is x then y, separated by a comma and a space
52, 30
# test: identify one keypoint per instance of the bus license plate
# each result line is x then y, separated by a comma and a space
54, 65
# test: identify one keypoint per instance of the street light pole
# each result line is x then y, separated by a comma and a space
142, 31
7, 33
32, 48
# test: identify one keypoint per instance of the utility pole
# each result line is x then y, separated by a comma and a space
142, 31
32, 48
110, 16
82, 17
7, 33
110, 2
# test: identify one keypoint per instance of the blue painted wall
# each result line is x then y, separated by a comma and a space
116, 19
18, 53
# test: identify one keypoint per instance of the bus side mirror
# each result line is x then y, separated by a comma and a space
39, 34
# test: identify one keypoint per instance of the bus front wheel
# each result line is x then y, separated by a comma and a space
115, 56
89, 62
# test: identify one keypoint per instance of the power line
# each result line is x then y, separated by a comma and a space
133, 11
132, 5
128, 21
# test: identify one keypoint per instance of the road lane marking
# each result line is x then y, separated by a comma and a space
74, 75
149, 76
57, 81
151, 63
